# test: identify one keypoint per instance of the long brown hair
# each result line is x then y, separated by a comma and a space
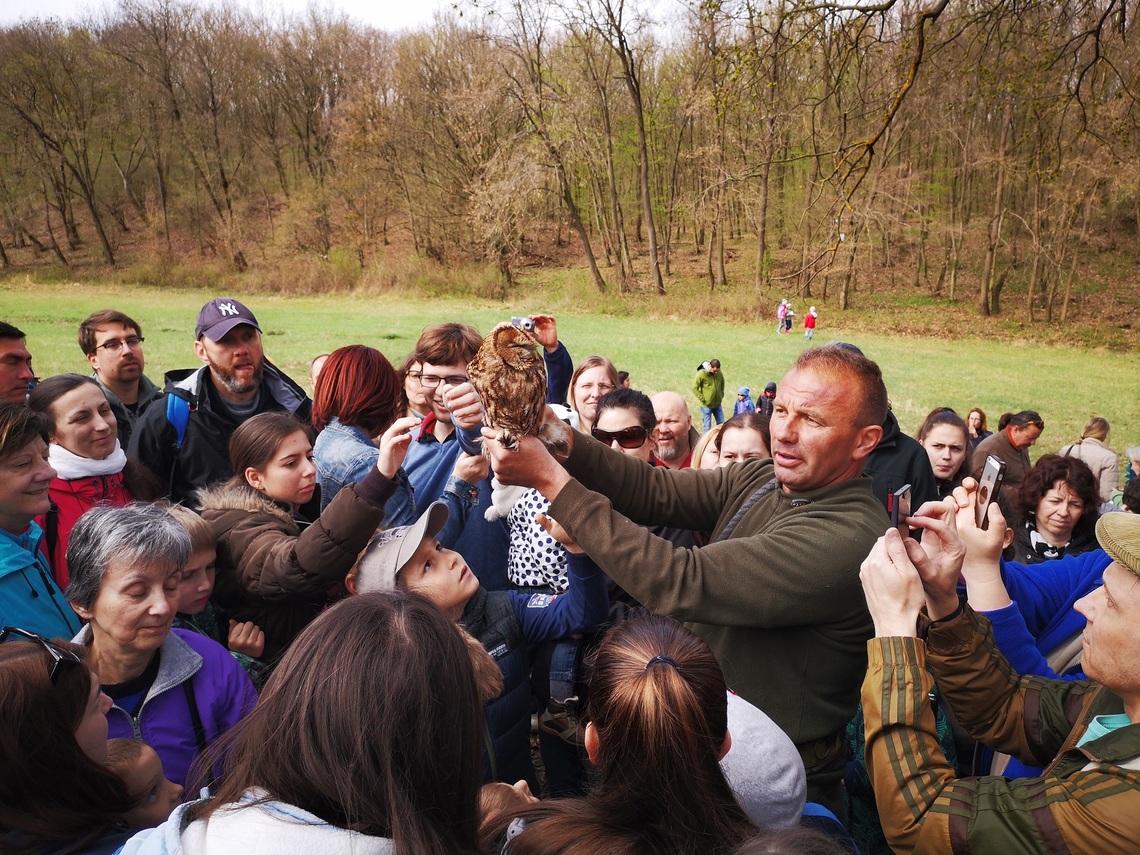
50, 791
372, 722
659, 704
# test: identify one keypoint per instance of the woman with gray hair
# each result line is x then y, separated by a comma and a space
176, 690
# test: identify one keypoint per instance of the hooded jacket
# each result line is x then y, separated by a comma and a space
204, 457
222, 693
276, 570
29, 597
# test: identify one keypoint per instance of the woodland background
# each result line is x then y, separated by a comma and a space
930, 162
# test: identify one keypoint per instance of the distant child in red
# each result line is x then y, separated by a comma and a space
809, 323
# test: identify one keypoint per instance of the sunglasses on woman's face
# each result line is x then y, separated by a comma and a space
630, 437
59, 655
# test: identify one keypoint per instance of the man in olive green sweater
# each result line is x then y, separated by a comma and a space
776, 592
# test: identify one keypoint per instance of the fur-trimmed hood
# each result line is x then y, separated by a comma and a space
228, 496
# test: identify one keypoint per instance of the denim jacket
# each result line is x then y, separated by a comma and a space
344, 454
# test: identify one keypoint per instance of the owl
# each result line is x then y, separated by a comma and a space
509, 374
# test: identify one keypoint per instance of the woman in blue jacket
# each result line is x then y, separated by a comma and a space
29, 598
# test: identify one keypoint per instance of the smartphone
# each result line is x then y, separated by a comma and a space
989, 485
898, 506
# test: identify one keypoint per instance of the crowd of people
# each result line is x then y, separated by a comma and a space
236, 617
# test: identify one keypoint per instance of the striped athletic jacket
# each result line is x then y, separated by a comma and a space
1087, 800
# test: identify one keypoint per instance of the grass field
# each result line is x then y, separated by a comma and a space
1066, 385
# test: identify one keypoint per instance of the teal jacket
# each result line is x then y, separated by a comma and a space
709, 388
29, 597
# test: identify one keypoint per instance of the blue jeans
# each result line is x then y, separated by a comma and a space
708, 414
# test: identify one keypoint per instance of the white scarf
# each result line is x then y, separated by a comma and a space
69, 466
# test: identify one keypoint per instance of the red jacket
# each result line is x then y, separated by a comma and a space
70, 500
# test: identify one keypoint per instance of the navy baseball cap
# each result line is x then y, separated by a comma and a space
221, 315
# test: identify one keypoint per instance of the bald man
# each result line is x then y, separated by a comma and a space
674, 435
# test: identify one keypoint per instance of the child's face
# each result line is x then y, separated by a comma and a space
197, 582
441, 575
154, 796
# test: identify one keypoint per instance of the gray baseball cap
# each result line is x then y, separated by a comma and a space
390, 549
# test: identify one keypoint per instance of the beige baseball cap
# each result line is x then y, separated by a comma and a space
390, 549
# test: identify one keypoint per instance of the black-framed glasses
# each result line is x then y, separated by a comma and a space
115, 344
430, 381
630, 437
59, 655
414, 375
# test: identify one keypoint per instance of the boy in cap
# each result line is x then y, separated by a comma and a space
185, 441
507, 623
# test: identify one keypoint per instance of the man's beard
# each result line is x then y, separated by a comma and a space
670, 453
231, 381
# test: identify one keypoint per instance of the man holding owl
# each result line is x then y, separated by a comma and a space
776, 591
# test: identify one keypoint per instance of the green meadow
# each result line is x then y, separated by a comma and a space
1066, 385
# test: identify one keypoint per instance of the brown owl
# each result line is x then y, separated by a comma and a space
509, 374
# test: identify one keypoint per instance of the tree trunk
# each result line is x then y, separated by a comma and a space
997, 215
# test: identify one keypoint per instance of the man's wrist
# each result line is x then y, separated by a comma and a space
942, 608
552, 485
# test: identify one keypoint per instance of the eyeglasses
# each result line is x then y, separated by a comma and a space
114, 344
414, 375
59, 655
430, 381
630, 437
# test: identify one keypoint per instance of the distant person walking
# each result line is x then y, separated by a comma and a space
789, 317
708, 386
809, 323
781, 314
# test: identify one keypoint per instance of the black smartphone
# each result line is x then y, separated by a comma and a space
989, 485
898, 506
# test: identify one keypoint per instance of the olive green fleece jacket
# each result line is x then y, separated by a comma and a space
779, 602
709, 388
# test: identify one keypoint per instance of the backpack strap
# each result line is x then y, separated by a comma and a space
178, 414
51, 532
199, 730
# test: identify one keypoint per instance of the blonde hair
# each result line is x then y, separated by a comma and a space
1095, 428
202, 537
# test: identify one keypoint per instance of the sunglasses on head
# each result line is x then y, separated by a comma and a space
630, 437
59, 655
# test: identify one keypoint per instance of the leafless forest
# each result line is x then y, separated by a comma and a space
810, 137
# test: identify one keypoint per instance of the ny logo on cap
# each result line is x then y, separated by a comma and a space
228, 309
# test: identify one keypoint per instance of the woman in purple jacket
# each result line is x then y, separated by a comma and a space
176, 690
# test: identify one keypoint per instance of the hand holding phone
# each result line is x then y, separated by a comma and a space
993, 474
898, 506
